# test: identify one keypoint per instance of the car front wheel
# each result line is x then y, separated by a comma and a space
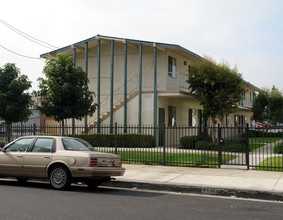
60, 177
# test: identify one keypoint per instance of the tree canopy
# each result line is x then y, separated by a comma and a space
217, 87
268, 106
64, 92
14, 98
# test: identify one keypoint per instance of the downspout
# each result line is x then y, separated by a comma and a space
155, 92
111, 86
125, 87
98, 85
140, 87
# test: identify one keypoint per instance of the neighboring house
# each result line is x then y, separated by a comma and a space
143, 83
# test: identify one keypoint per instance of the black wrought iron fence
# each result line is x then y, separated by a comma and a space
257, 148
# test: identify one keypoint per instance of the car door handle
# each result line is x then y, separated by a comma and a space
20, 156
47, 157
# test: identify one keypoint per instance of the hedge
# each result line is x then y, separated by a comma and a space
189, 142
227, 147
278, 149
123, 140
206, 145
261, 133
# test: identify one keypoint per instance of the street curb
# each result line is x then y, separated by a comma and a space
241, 193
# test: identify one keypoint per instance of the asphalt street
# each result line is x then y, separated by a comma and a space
36, 200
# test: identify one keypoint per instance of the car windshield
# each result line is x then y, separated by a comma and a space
76, 145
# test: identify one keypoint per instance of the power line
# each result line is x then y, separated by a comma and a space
35, 40
38, 58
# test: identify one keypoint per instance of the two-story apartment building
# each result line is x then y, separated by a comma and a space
143, 83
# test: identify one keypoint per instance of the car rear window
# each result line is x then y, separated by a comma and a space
76, 145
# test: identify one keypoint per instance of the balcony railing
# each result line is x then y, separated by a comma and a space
165, 82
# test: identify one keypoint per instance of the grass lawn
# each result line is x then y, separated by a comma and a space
173, 159
273, 163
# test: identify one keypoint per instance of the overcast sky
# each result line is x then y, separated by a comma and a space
246, 33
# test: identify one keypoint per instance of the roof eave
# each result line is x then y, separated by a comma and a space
125, 40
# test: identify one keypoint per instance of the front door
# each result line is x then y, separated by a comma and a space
161, 122
12, 157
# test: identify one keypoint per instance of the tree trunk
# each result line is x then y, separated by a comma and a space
8, 133
63, 128
213, 131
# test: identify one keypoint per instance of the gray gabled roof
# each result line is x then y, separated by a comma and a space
125, 40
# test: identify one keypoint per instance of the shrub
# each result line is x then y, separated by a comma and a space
2, 144
206, 145
227, 147
236, 140
189, 142
262, 133
123, 140
234, 147
278, 148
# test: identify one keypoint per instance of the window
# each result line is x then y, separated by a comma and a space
192, 117
76, 145
227, 120
20, 145
236, 122
172, 69
240, 120
171, 116
43, 145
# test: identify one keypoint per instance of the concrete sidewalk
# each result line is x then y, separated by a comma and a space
237, 182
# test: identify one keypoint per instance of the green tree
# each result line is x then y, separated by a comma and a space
217, 87
268, 106
64, 93
14, 98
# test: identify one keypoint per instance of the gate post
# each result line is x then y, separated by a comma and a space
220, 142
247, 147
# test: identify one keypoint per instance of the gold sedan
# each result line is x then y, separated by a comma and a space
62, 160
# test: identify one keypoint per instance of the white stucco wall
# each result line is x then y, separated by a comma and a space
182, 102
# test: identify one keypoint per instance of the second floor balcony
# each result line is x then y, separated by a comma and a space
166, 82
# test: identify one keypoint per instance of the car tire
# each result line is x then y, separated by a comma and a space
92, 184
60, 177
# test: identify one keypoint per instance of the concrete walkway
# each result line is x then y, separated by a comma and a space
232, 182
255, 157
